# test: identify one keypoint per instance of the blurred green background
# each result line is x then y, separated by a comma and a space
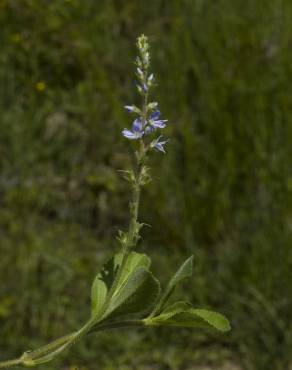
223, 191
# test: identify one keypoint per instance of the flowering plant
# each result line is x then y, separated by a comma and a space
125, 293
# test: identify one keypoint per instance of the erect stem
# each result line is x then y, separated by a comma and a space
137, 182
133, 232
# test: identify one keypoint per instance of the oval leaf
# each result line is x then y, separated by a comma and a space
215, 319
99, 292
180, 314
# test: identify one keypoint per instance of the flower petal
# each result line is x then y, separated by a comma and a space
137, 125
132, 109
155, 115
159, 146
129, 134
129, 108
158, 123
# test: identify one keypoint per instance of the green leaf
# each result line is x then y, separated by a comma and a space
102, 284
174, 309
104, 279
136, 295
181, 314
98, 295
134, 261
185, 271
215, 319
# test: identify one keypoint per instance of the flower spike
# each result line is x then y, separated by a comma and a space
149, 114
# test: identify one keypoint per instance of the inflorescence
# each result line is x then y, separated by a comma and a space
148, 120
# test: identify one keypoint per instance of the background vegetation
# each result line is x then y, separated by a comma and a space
222, 192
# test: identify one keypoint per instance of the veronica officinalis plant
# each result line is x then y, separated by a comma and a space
125, 293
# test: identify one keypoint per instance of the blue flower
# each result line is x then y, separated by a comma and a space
154, 120
131, 108
137, 130
159, 145
155, 115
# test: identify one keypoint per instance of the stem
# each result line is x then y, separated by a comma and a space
10, 363
42, 354
133, 232
122, 324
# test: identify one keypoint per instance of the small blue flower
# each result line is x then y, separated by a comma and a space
130, 108
154, 120
155, 115
159, 145
137, 125
137, 130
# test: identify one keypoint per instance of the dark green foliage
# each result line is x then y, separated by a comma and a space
222, 192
